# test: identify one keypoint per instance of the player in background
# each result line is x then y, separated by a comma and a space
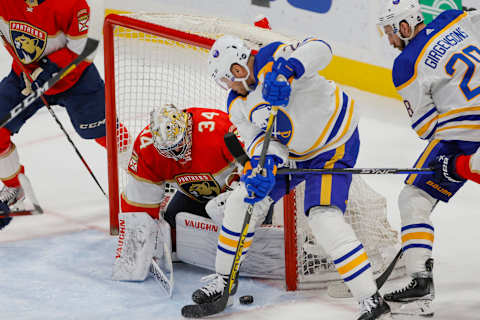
437, 75
184, 148
315, 128
46, 36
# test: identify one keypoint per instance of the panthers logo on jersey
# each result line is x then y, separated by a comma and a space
283, 127
201, 187
28, 41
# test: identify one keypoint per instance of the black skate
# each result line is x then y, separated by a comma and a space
374, 308
416, 297
213, 290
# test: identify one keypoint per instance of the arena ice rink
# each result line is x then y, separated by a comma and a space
58, 265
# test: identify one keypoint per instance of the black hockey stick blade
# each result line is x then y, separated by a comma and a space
235, 148
386, 274
90, 47
206, 309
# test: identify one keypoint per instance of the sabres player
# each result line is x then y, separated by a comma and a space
184, 148
437, 75
46, 36
316, 127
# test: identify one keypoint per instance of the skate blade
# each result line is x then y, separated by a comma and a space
417, 308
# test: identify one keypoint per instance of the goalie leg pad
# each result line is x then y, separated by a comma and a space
197, 239
338, 239
216, 208
136, 246
417, 229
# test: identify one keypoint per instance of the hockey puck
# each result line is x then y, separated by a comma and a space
246, 299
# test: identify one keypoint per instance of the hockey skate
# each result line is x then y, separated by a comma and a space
374, 308
213, 290
415, 299
21, 200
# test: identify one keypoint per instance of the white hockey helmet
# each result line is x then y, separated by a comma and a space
171, 132
225, 52
396, 11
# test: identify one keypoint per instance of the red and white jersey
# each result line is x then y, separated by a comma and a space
201, 179
54, 28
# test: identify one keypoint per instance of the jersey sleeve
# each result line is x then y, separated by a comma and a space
313, 53
73, 21
145, 189
417, 99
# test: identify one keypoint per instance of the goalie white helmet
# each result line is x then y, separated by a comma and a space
225, 52
396, 11
171, 132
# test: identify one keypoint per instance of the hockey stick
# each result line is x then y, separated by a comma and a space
208, 309
45, 102
237, 151
241, 157
89, 48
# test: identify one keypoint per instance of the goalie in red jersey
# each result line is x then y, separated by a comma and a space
183, 148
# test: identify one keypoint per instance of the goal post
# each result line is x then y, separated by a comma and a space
153, 59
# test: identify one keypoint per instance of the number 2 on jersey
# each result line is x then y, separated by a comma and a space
470, 56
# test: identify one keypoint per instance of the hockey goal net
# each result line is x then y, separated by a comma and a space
153, 59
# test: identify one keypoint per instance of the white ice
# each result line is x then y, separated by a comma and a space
58, 265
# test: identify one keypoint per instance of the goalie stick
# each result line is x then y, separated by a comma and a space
237, 151
90, 47
208, 309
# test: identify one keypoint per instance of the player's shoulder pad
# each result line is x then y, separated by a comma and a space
264, 56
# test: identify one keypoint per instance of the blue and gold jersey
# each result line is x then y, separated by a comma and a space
438, 76
320, 116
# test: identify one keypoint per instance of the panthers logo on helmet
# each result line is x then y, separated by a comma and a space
29, 42
201, 187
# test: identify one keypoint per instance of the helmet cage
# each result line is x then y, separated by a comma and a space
171, 132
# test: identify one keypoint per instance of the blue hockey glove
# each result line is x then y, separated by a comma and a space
444, 169
3, 210
45, 71
275, 90
259, 186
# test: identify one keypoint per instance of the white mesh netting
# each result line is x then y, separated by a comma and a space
152, 70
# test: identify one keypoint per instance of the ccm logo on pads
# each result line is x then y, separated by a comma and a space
92, 125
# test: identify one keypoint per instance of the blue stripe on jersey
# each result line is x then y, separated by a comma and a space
356, 274
426, 115
340, 118
236, 234
254, 140
418, 225
461, 118
404, 65
417, 245
231, 252
351, 253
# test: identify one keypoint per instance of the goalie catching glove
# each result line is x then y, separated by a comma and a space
277, 91
259, 185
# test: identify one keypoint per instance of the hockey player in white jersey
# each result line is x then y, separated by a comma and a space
437, 76
315, 128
